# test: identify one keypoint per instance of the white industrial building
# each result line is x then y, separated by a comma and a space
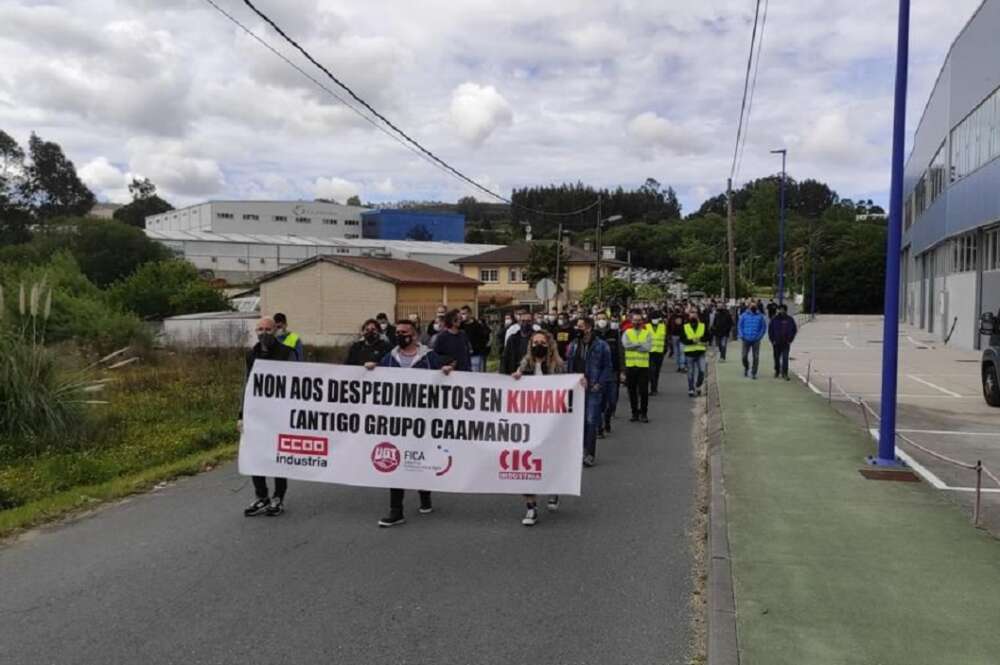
243, 257
315, 219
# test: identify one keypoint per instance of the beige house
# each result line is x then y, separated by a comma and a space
502, 273
326, 298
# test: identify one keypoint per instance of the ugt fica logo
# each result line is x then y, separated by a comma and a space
385, 457
520, 465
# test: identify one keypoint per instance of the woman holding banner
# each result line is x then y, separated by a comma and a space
542, 359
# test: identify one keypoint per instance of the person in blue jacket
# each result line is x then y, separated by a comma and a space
751, 328
590, 355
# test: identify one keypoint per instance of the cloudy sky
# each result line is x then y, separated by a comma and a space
512, 93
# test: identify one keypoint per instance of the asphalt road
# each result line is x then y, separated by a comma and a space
180, 576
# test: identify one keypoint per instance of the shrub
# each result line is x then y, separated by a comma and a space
167, 288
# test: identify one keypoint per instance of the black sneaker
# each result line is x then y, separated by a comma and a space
276, 508
394, 519
607, 425
600, 433
588, 460
530, 516
426, 509
698, 392
634, 418
258, 507
643, 418
553, 504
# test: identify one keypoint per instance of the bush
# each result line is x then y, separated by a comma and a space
108, 251
613, 290
167, 288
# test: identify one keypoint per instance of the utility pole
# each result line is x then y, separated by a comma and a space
597, 242
890, 326
812, 268
730, 240
781, 230
558, 253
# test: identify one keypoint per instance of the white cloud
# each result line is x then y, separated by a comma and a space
650, 131
99, 173
477, 111
335, 188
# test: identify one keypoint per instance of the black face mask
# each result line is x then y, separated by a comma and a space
266, 340
526, 328
404, 340
371, 335
539, 351
753, 310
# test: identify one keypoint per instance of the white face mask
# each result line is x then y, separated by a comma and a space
508, 322
614, 325
656, 322
602, 323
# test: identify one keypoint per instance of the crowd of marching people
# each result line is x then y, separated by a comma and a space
609, 347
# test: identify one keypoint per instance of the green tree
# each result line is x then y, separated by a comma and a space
612, 290
15, 219
652, 293
354, 200
166, 288
52, 186
542, 264
108, 251
144, 203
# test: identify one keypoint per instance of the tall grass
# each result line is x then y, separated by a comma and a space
40, 399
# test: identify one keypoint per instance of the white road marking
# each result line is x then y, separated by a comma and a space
947, 432
926, 474
932, 385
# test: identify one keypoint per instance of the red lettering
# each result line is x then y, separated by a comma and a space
512, 401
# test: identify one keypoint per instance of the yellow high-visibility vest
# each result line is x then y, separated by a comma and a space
659, 337
291, 340
634, 357
696, 336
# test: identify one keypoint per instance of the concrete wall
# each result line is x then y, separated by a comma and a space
962, 304
326, 303
209, 332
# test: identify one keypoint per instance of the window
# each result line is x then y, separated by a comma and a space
908, 212
331, 222
991, 258
489, 275
516, 275
224, 215
920, 196
976, 140
341, 250
350, 235
280, 218
351, 222
251, 218
963, 253
937, 174
303, 220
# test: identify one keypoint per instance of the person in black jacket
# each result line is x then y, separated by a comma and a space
518, 345
782, 331
267, 348
385, 327
371, 347
611, 335
480, 337
722, 327
452, 344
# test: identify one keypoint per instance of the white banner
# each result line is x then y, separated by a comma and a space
413, 429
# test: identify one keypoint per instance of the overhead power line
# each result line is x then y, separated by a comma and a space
746, 88
753, 88
409, 141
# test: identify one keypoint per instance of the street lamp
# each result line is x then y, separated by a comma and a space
600, 226
781, 230
559, 240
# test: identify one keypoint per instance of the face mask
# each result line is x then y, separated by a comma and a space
657, 321
602, 323
404, 340
693, 320
636, 323
539, 350
614, 325
527, 327
266, 339
437, 326
371, 335
580, 332
753, 309
508, 322
562, 322
384, 326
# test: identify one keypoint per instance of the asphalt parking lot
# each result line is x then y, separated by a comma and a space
940, 399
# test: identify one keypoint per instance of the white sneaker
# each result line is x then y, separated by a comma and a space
553, 504
530, 517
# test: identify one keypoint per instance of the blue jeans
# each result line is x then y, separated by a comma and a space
593, 415
678, 351
696, 366
610, 405
722, 342
478, 363
748, 348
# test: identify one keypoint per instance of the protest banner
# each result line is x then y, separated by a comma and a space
413, 429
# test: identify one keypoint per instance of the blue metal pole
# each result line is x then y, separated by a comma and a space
781, 235
890, 329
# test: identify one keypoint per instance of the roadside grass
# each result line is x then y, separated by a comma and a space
171, 416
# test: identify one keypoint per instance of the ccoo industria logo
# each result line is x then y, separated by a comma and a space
302, 450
